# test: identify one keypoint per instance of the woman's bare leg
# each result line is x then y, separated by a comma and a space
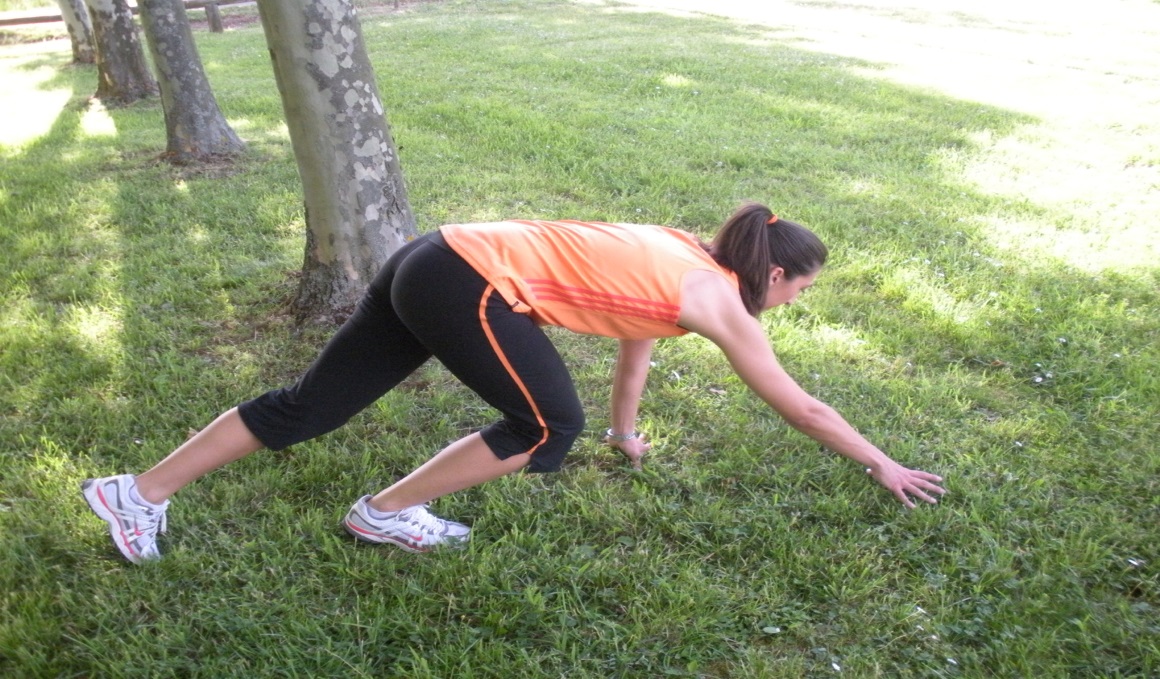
467, 462
226, 439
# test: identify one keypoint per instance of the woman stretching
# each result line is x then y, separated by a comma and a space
474, 296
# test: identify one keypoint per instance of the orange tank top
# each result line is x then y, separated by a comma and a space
614, 280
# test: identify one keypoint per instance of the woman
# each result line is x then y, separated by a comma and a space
474, 296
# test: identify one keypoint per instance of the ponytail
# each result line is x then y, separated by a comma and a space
754, 240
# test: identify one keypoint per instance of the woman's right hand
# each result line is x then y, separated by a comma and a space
634, 449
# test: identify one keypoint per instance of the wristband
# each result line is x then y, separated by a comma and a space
621, 438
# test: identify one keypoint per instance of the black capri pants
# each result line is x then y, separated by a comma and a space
427, 301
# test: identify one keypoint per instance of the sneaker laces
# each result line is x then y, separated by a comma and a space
419, 517
153, 519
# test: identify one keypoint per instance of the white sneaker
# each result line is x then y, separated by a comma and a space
133, 526
414, 529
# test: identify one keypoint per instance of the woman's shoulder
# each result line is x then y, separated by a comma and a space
709, 297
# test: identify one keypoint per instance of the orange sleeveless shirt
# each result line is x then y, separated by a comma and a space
614, 280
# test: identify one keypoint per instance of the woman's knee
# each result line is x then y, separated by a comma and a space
561, 436
569, 428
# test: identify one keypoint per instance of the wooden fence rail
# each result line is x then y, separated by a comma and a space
48, 15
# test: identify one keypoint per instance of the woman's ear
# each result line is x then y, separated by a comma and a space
775, 273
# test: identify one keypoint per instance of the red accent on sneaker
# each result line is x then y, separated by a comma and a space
124, 538
416, 538
352, 526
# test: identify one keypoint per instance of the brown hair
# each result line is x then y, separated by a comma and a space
753, 241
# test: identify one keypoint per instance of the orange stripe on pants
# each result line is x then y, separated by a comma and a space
508, 366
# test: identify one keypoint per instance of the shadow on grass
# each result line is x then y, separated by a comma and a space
141, 300
123, 271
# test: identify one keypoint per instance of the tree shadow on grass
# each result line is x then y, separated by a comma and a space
123, 282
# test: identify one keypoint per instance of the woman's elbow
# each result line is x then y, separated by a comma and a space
807, 417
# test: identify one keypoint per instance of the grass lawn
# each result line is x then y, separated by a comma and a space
138, 300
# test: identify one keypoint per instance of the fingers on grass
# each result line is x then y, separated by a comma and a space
932, 487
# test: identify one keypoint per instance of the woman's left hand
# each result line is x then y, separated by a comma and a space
903, 483
634, 449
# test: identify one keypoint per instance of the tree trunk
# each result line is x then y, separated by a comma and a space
194, 125
80, 30
213, 17
122, 72
357, 212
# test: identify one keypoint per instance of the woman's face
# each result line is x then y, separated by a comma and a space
784, 290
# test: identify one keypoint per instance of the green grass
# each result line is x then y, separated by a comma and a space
138, 300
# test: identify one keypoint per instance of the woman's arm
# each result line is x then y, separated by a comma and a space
711, 308
632, 365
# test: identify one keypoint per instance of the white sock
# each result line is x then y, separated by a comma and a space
376, 514
136, 497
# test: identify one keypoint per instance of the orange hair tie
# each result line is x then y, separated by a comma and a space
772, 219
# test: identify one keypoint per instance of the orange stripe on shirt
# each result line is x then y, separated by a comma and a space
564, 289
610, 308
508, 366
596, 300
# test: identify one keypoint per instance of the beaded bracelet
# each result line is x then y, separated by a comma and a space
621, 438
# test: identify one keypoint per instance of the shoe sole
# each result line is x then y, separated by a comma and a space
377, 540
92, 494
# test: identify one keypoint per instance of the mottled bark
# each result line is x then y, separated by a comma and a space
80, 30
194, 125
122, 73
357, 212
